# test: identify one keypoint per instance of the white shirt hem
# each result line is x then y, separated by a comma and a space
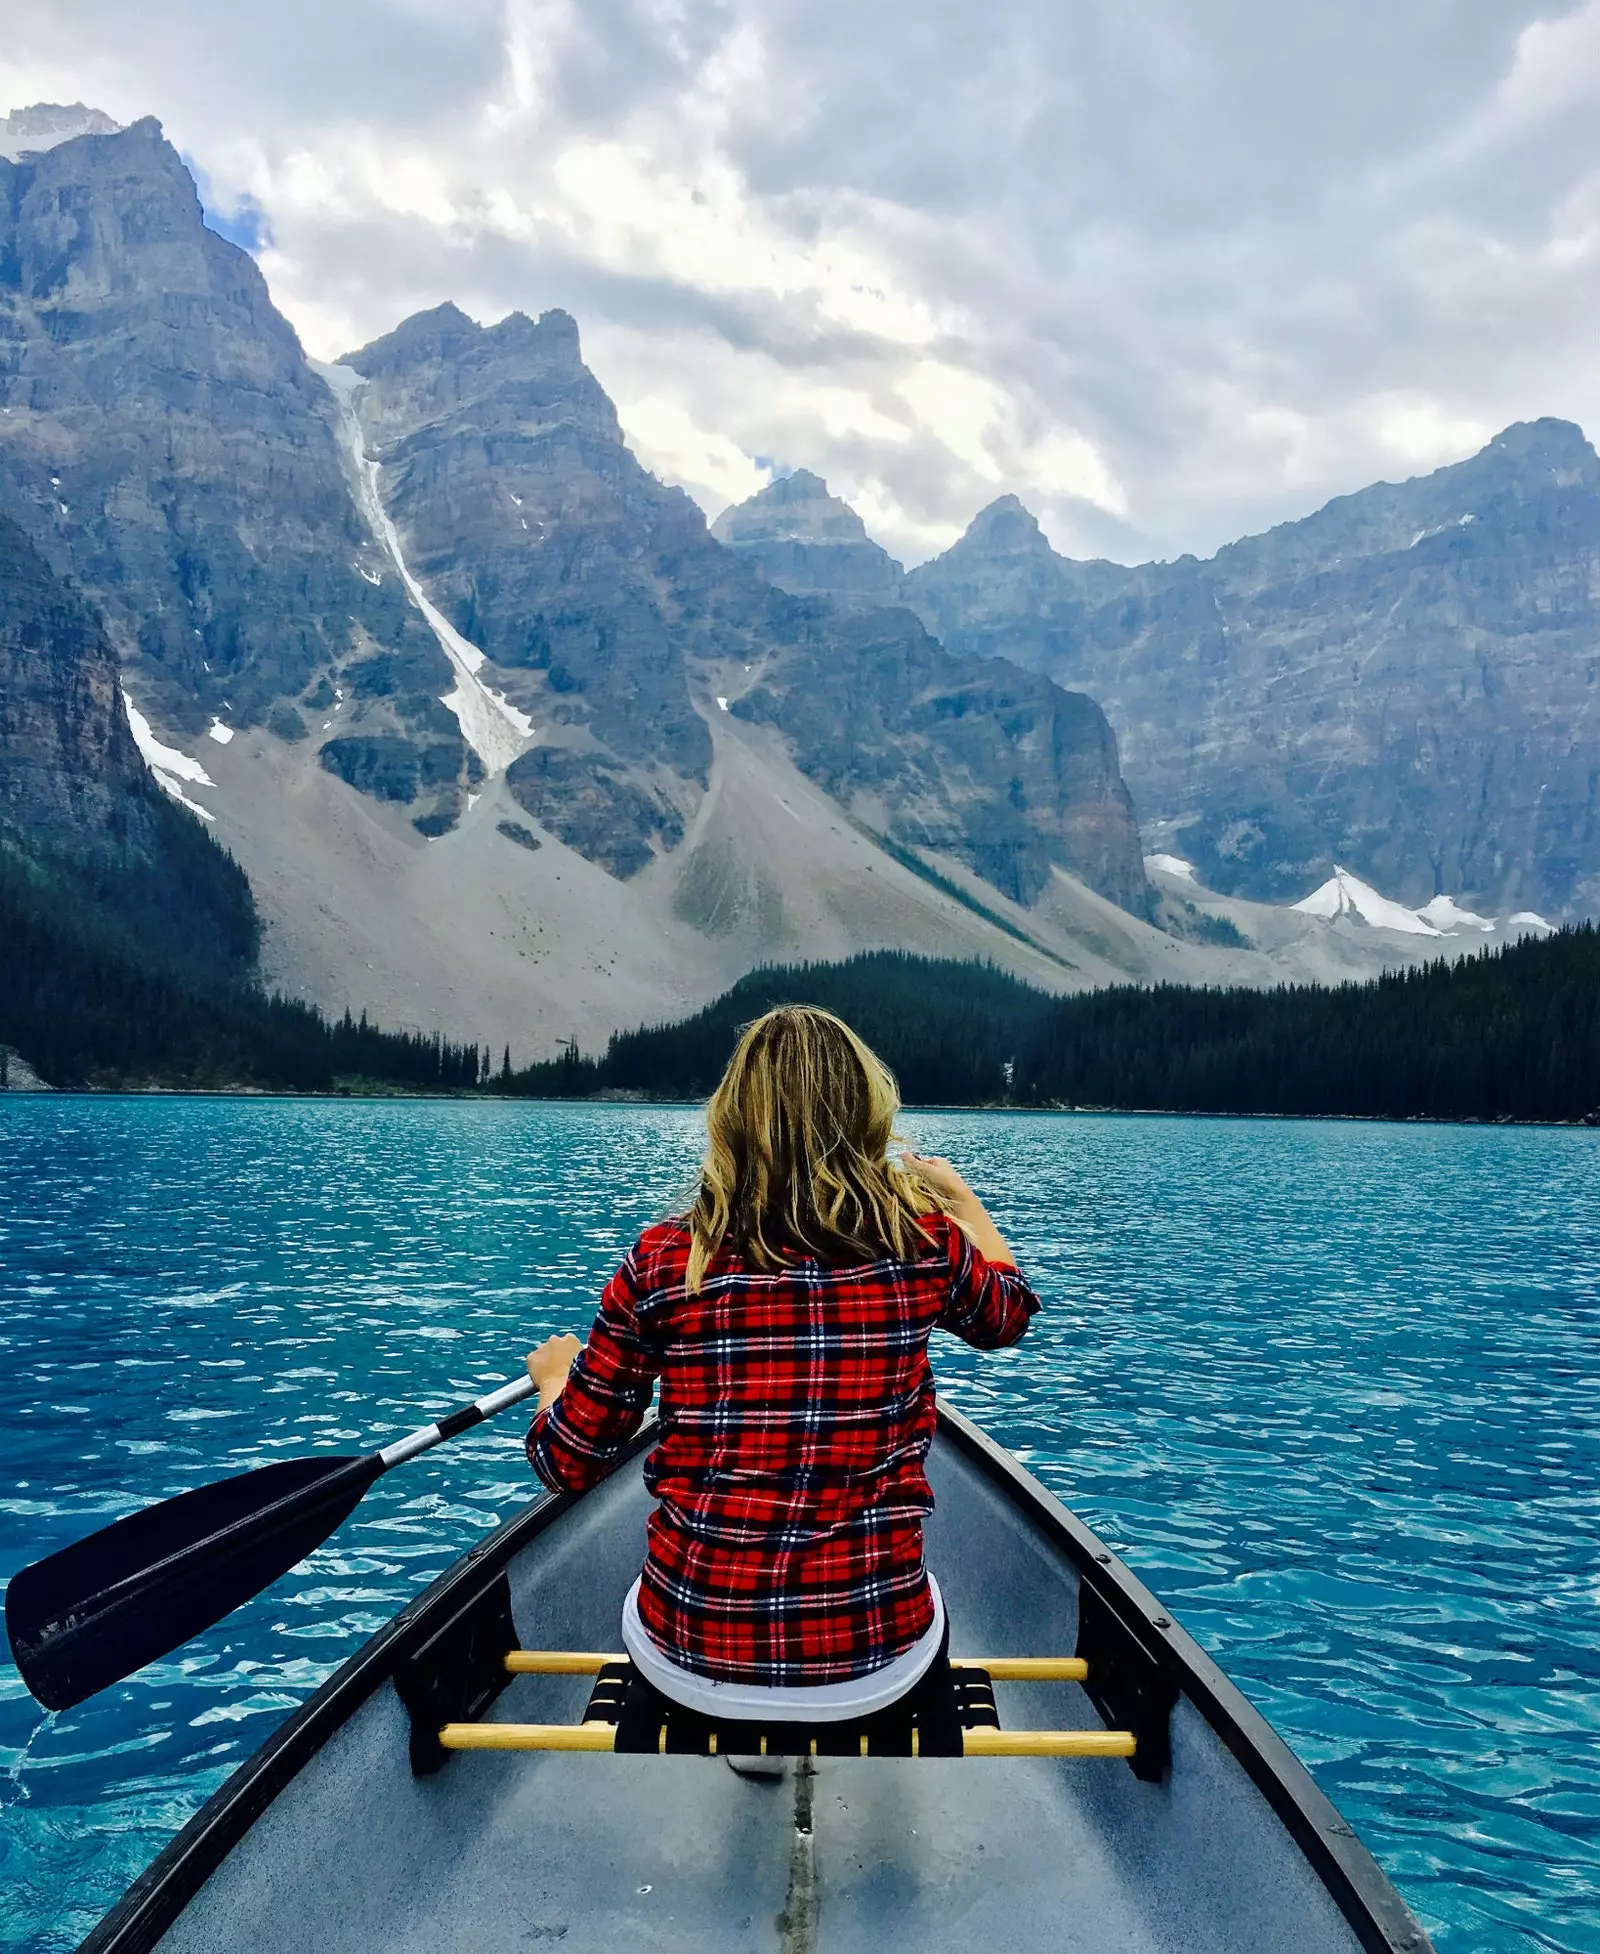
856, 1696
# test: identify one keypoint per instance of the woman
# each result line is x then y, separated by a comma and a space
787, 1317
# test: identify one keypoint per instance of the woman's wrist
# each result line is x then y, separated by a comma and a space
976, 1223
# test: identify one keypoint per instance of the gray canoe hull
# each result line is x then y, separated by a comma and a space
327, 1842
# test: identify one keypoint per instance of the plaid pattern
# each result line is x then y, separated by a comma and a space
796, 1412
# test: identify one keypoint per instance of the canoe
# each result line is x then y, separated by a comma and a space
1210, 1839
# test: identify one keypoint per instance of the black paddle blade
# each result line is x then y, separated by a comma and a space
98, 1610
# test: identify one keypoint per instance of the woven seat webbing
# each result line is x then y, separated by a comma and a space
928, 1722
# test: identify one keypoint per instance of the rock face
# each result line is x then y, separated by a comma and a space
1407, 682
163, 438
76, 801
618, 625
1002, 581
811, 543
555, 554
983, 762
69, 769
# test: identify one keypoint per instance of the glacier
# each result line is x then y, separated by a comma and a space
494, 728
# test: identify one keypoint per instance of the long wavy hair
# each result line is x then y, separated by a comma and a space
798, 1158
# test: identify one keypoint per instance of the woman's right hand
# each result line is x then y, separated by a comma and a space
962, 1205
942, 1177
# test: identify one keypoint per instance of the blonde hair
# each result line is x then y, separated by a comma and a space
797, 1162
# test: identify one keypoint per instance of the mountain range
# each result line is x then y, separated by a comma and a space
507, 740
1408, 680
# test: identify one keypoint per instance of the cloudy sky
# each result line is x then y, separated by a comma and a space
1170, 272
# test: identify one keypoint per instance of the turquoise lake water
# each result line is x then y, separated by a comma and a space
1334, 1390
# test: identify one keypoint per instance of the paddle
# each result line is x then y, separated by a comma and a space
85, 1617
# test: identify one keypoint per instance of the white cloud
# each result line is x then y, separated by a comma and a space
1168, 275
1557, 66
1421, 433
981, 425
665, 438
957, 408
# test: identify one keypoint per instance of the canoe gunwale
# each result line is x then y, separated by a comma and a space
1375, 1911
1358, 1884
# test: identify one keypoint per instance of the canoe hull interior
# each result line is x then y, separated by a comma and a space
328, 1842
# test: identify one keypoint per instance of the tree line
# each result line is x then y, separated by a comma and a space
103, 984
948, 1030
1512, 1033
92, 993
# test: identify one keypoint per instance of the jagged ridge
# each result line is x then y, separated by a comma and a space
1406, 681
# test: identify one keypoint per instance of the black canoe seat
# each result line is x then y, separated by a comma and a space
951, 1715
645, 1721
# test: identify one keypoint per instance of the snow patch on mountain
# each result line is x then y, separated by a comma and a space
168, 765
1345, 897
45, 124
1438, 529
494, 728
1344, 894
159, 757
1445, 913
183, 799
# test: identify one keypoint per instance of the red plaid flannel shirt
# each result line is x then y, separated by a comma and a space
797, 1409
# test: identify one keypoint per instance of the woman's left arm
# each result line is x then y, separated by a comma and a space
593, 1400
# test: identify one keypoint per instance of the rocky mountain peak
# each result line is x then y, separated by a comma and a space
1001, 591
164, 439
623, 632
554, 335
1007, 524
1403, 680
1005, 527
1559, 447
438, 333
45, 124
811, 543
437, 362
794, 508
98, 226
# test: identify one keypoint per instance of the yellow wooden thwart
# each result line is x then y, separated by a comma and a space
979, 1743
1049, 1743
1027, 1668
603, 1737
529, 1736
558, 1662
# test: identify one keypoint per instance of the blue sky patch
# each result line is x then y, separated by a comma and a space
246, 224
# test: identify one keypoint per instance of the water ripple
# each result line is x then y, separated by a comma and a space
1330, 1388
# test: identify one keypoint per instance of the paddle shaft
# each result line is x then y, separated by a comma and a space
460, 1421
